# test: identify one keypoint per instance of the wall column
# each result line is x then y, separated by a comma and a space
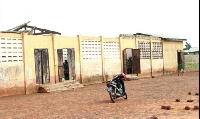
102, 58
54, 50
24, 36
136, 42
121, 52
151, 56
163, 57
80, 56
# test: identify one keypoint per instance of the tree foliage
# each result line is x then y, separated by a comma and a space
187, 46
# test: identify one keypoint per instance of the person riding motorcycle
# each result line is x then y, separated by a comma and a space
119, 80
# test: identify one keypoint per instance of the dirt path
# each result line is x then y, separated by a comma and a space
145, 98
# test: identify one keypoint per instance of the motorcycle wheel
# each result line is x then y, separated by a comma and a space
113, 96
125, 96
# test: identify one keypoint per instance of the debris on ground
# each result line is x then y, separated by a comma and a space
187, 108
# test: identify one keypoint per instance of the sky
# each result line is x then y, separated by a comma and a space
107, 18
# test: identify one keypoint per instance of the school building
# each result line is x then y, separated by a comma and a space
27, 61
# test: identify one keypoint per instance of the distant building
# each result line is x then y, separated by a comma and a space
192, 51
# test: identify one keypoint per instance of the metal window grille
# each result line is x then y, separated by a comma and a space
111, 50
11, 49
91, 49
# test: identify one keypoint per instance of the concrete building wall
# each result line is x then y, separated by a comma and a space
157, 67
145, 65
104, 68
91, 71
191, 60
12, 35
88, 71
61, 42
32, 42
157, 64
170, 55
91, 68
11, 73
126, 43
150, 66
11, 79
112, 68
112, 63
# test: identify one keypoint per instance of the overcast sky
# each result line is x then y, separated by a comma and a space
107, 18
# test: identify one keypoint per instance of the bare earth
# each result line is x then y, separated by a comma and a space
145, 98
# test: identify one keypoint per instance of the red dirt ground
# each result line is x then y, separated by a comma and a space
145, 98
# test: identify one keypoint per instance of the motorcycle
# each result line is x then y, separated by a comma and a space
115, 91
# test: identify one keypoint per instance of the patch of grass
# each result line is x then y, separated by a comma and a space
167, 73
191, 67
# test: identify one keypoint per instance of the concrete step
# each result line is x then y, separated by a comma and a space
132, 77
58, 89
62, 86
70, 82
50, 85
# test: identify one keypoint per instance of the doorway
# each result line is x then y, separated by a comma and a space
180, 58
66, 64
42, 66
131, 61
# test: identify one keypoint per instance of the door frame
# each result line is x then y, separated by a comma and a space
135, 59
71, 63
180, 58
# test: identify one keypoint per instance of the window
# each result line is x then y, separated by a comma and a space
11, 49
145, 53
111, 50
91, 49
157, 50
144, 49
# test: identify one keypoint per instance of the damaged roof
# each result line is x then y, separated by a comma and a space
32, 30
165, 37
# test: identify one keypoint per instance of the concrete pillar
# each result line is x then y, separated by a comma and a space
24, 37
54, 60
151, 56
102, 58
80, 57
121, 52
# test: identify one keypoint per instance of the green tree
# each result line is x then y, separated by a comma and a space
187, 46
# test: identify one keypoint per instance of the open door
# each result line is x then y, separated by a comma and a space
71, 60
124, 62
131, 61
180, 58
127, 61
136, 61
66, 58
